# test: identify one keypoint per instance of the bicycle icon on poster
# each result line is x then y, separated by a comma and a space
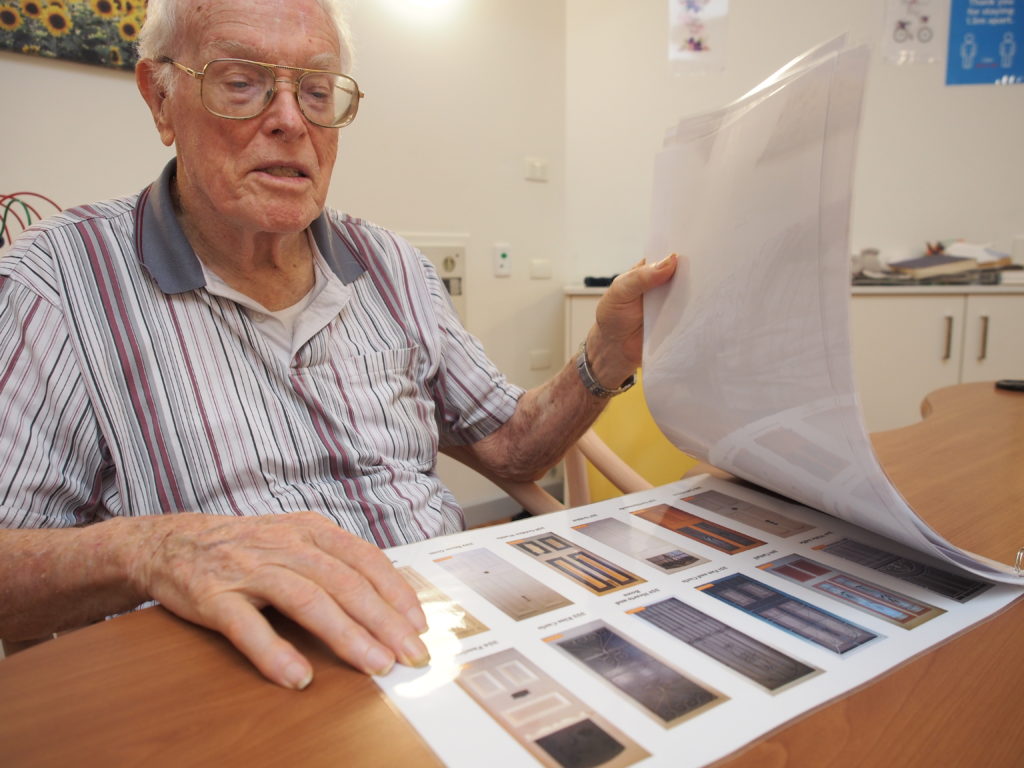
915, 27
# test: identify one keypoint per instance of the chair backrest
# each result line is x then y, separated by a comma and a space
607, 463
629, 429
623, 452
590, 448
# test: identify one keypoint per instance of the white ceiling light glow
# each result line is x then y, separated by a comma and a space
426, 10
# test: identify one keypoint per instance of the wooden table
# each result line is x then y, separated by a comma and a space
149, 689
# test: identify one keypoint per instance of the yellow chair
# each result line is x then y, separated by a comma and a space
628, 429
623, 452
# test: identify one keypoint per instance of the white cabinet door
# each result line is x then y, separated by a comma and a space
903, 348
993, 338
579, 316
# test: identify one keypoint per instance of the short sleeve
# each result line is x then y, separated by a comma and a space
474, 398
50, 445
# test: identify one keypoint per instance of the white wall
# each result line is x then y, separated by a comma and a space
453, 109
72, 132
934, 161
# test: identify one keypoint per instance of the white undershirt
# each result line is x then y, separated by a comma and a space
279, 327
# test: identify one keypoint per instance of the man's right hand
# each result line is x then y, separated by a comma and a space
218, 572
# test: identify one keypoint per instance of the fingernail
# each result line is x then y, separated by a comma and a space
416, 653
297, 675
665, 262
379, 661
417, 619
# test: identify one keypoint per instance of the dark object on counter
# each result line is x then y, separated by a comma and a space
598, 282
1011, 385
971, 277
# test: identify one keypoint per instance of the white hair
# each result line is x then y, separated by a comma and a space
165, 28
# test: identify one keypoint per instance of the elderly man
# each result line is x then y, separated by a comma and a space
180, 368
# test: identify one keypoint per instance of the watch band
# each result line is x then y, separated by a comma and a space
592, 385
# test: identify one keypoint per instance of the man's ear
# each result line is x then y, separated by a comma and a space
156, 98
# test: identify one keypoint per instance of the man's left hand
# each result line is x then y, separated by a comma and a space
615, 343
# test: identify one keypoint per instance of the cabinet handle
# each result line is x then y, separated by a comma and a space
984, 338
948, 353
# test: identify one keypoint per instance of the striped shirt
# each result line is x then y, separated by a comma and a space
128, 388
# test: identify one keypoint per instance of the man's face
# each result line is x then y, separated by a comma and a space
268, 174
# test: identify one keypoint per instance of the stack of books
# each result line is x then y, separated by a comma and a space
933, 265
956, 258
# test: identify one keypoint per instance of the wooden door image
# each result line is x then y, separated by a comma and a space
697, 528
583, 567
443, 613
515, 593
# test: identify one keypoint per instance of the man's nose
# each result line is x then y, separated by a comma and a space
285, 104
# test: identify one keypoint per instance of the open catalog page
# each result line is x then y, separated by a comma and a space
664, 628
747, 359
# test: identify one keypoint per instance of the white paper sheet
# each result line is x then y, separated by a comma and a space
747, 360
497, 690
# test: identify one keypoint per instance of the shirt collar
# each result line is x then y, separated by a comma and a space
165, 251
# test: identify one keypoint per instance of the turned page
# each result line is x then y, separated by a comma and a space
747, 359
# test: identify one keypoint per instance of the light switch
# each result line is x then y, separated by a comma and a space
536, 169
540, 269
502, 259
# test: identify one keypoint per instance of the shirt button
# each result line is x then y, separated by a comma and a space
259, 317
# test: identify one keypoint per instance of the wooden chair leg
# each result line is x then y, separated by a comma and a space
577, 487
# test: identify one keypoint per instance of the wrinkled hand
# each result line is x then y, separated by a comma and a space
615, 343
218, 572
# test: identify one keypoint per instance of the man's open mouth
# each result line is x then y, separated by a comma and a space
285, 171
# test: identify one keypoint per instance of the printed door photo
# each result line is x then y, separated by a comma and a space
956, 586
552, 724
443, 613
747, 513
663, 692
761, 664
513, 592
877, 601
631, 541
583, 567
697, 528
789, 613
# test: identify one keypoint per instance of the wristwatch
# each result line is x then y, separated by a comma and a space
591, 383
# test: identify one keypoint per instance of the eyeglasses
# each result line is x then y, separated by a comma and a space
238, 89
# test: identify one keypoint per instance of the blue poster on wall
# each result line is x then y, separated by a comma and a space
986, 42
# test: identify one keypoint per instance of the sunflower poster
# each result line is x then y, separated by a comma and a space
90, 31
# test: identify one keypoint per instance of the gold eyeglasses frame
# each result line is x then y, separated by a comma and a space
349, 116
